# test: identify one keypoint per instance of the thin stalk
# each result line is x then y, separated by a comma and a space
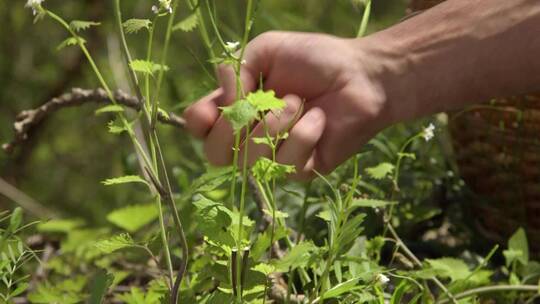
365, 18
104, 85
163, 60
489, 289
136, 87
413, 257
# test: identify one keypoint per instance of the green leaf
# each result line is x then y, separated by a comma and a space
299, 256
266, 269
110, 109
214, 221
264, 101
518, 248
147, 67
115, 128
269, 141
124, 180
132, 26
211, 180
70, 42
265, 169
15, 219
133, 218
60, 225
342, 288
452, 268
79, 25
380, 171
188, 24
99, 285
239, 114
407, 155
115, 243
371, 203
21, 287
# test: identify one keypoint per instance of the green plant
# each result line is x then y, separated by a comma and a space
242, 234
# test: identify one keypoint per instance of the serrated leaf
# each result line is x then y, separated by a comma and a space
147, 67
132, 26
80, 25
110, 109
265, 101
124, 180
371, 203
70, 42
188, 24
452, 268
133, 218
265, 169
269, 141
239, 114
266, 269
380, 171
114, 243
214, 221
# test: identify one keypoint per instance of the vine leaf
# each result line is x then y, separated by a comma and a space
147, 67
452, 268
124, 180
265, 101
133, 26
133, 218
380, 171
188, 24
265, 169
239, 114
70, 42
114, 243
80, 25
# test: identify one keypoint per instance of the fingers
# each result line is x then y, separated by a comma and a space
201, 116
299, 148
273, 124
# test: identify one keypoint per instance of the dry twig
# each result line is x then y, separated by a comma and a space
28, 119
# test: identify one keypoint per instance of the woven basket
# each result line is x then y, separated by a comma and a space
497, 148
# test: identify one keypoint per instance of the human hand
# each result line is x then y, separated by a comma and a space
345, 104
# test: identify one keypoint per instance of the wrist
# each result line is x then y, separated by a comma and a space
391, 74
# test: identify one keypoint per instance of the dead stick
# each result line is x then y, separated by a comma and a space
27, 120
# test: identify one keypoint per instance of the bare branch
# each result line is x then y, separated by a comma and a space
28, 119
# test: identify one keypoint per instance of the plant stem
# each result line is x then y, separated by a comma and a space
494, 288
163, 60
365, 19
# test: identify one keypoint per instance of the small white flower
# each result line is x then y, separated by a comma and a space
34, 5
232, 46
428, 132
381, 278
155, 9
243, 62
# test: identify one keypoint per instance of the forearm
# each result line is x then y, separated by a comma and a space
460, 52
